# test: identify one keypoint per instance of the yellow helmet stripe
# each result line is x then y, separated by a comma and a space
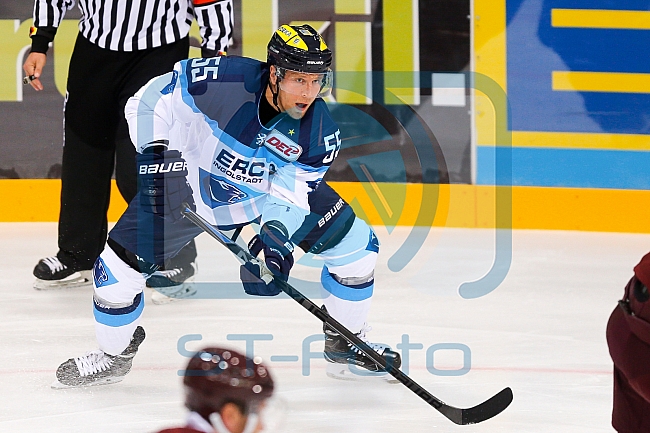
290, 37
286, 32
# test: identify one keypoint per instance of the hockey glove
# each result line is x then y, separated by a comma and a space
163, 183
278, 258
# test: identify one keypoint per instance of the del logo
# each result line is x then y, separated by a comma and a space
282, 146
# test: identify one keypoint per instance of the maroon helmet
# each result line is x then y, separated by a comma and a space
216, 376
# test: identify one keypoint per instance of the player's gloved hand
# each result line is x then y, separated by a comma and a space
278, 258
163, 182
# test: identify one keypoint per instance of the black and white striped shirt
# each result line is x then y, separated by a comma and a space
130, 25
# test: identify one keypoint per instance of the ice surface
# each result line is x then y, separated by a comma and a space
541, 332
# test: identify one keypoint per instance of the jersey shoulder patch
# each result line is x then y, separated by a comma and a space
169, 88
282, 146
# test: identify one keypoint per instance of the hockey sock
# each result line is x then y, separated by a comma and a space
347, 304
118, 302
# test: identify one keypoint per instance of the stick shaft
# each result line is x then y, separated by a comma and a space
479, 413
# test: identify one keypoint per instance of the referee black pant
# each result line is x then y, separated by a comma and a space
97, 143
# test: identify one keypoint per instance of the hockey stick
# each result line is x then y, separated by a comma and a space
486, 410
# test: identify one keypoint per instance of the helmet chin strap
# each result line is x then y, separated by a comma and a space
275, 93
251, 423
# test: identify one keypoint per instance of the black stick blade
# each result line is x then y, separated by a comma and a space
486, 410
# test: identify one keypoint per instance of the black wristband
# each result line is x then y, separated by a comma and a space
206, 52
40, 44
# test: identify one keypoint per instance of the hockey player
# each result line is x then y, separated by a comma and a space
225, 392
628, 338
256, 140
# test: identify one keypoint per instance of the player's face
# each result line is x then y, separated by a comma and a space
297, 91
235, 421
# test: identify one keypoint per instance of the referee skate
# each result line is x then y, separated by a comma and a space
51, 273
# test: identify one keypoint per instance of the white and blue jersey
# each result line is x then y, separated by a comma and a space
239, 170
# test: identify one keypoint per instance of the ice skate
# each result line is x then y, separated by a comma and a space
172, 284
98, 368
346, 362
50, 273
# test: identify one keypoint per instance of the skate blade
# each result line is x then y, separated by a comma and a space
166, 295
359, 374
107, 381
78, 279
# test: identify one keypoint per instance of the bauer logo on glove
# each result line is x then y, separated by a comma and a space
160, 168
163, 183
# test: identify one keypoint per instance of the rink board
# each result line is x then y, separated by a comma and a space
462, 206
